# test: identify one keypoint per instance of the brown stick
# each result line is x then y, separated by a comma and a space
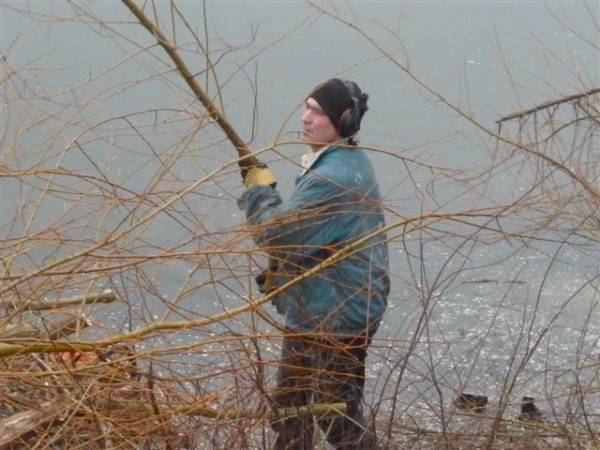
548, 104
18, 424
191, 409
19, 330
30, 329
103, 297
213, 111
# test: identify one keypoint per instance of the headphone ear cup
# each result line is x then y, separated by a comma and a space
344, 123
349, 122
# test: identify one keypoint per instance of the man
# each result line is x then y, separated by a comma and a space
331, 315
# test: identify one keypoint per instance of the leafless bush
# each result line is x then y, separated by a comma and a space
130, 318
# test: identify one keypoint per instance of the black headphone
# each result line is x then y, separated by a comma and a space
349, 122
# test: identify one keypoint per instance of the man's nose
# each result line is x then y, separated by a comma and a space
305, 116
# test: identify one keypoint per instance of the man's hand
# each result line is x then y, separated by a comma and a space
258, 175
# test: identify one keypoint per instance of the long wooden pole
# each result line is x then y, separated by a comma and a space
213, 111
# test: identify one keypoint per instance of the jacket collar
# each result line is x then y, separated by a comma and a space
309, 159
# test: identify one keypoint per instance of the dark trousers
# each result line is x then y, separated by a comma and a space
321, 370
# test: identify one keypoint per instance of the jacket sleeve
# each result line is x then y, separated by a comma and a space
301, 229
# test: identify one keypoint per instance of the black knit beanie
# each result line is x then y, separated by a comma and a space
334, 98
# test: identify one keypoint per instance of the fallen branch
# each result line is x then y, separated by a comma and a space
18, 424
548, 104
103, 297
198, 409
30, 329
21, 423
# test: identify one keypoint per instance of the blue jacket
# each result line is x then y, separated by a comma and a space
336, 202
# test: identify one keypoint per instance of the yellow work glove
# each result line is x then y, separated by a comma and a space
257, 175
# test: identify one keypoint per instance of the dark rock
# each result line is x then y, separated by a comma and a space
471, 402
529, 411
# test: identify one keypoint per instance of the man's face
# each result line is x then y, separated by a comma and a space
317, 128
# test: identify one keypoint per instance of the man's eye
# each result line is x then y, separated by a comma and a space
316, 111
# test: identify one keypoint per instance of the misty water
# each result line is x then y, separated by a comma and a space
485, 301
